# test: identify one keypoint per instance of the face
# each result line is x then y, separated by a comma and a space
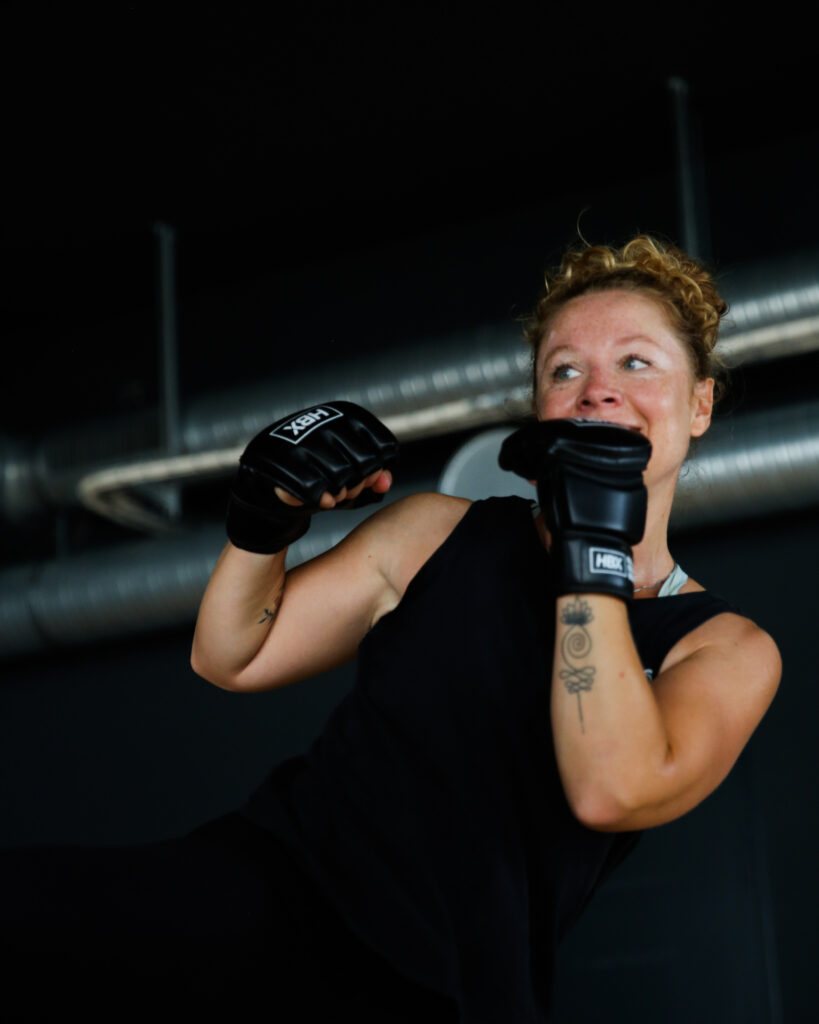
615, 356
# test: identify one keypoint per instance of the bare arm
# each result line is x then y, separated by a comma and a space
321, 610
632, 754
238, 608
244, 597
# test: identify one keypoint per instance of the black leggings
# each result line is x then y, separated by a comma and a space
220, 921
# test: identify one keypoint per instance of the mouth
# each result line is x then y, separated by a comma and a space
626, 426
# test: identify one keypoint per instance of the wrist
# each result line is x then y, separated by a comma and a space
592, 564
264, 531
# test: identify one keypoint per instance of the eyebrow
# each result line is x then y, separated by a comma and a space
620, 341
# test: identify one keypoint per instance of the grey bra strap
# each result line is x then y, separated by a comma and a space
675, 582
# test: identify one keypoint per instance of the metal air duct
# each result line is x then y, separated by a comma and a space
752, 465
442, 385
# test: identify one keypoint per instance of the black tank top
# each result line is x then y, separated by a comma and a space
430, 811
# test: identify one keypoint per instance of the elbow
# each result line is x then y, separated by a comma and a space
608, 807
600, 812
208, 672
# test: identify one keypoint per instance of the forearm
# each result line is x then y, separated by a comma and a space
608, 733
237, 612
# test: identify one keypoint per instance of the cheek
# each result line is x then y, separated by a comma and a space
673, 398
672, 420
551, 405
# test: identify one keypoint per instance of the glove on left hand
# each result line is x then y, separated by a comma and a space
322, 448
589, 477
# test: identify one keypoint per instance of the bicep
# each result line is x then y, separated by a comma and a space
330, 603
710, 702
326, 609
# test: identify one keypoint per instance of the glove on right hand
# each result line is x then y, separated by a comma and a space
323, 448
589, 477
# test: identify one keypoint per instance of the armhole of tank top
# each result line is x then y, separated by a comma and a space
430, 569
665, 618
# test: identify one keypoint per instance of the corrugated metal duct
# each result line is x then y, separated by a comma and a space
440, 385
748, 466
134, 588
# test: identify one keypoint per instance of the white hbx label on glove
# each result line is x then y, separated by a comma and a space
300, 426
614, 563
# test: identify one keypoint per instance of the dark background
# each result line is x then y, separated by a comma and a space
344, 179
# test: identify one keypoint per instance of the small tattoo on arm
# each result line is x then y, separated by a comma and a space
575, 646
269, 615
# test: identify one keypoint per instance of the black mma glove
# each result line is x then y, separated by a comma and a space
323, 448
590, 487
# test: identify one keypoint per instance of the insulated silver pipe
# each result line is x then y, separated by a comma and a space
441, 385
749, 466
753, 465
135, 588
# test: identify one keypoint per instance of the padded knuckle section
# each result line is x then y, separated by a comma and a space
323, 448
604, 447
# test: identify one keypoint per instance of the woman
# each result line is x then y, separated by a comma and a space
522, 711
434, 784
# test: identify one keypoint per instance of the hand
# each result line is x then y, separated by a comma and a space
589, 482
380, 481
333, 455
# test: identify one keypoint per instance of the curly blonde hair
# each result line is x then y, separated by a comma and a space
682, 286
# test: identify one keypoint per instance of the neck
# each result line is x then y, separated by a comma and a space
652, 559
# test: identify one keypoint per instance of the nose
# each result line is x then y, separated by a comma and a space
599, 392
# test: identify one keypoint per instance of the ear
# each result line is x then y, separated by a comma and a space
702, 404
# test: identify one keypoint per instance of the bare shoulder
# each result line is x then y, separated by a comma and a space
408, 531
383, 552
712, 692
330, 602
425, 507
736, 641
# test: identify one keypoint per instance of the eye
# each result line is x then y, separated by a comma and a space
564, 372
633, 362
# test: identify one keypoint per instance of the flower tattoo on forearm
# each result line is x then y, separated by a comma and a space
575, 646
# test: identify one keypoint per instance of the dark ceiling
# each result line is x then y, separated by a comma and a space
347, 176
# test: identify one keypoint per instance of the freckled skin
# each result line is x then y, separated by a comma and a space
614, 356
633, 755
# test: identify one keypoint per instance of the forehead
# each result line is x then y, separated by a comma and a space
609, 316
